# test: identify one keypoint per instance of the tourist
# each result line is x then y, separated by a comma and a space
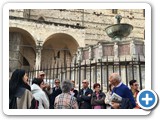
47, 89
37, 91
25, 99
123, 91
55, 92
84, 96
134, 88
65, 100
108, 96
98, 97
73, 91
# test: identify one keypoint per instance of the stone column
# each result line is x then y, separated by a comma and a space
38, 55
15, 40
74, 58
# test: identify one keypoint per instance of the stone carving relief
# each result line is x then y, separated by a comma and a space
115, 50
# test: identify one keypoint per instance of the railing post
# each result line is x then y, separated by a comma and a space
90, 73
96, 72
101, 76
85, 70
140, 78
107, 72
132, 70
126, 71
79, 75
119, 67
70, 70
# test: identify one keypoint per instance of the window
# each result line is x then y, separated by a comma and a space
114, 11
41, 19
143, 12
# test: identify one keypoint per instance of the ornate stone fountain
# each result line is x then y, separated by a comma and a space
114, 49
119, 30
113, 52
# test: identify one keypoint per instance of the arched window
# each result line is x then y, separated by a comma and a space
41, 19
114, 11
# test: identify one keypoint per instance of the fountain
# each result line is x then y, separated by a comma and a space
119, 30
96, 62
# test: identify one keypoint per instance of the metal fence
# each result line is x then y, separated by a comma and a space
94, 72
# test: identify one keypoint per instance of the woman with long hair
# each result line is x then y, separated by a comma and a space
20, 96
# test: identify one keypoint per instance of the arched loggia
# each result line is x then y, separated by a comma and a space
21, 49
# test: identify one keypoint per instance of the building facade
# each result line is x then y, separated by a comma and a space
42, 37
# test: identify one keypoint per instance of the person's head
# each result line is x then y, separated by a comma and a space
66, 86
133, 84
73, 82
39, 82
18, 79
85, 84
57, 82
96, 87
114, 79
41, 75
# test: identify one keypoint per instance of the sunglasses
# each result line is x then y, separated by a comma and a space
136, 85
84, 82
57, 82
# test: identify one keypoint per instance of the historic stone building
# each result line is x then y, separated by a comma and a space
38, 37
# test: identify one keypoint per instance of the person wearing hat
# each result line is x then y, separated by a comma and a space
47, 89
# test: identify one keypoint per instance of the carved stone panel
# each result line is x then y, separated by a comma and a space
108, 50
124, 49
95, 52
139, 50
85, 54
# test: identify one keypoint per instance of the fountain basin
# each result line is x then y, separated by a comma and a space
119, 30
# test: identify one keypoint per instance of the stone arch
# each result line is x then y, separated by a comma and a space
22, 47
62, 46
41, 18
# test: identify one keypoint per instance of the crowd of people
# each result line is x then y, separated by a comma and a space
64, 95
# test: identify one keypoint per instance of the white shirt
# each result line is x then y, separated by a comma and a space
119, 84
39, 95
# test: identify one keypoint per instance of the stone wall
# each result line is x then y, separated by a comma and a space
15, 59
95, 20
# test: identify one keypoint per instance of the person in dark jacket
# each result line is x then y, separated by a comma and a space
84, 96
98, 97
56, 91
134, 88
122, 90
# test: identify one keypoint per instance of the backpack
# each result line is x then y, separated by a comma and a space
34, 104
